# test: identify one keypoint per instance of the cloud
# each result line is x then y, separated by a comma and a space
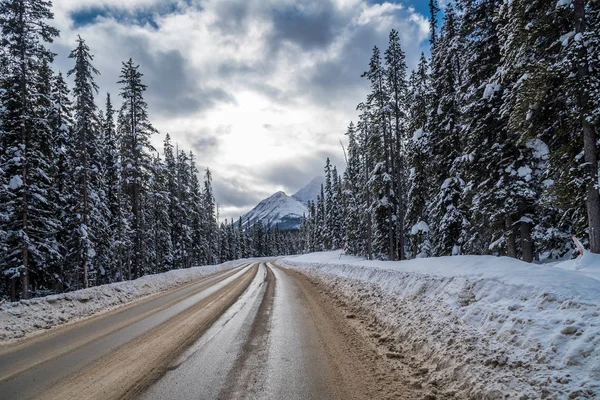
261, 90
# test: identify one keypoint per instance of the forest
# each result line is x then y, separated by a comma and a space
85, 198
490, 146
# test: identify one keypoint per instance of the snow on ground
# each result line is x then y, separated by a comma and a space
31, 316
481, 326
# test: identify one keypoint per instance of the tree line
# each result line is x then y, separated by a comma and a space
488, 147
85, 198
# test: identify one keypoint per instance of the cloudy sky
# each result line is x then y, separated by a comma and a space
261, 90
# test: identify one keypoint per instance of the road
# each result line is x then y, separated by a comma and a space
255, 332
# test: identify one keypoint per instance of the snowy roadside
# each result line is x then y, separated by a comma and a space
27, 317
480, 326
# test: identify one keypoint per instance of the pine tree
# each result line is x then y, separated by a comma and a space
434, 9
88, 201
210, 221
328, 213
379, 149
197, 214
114, 190
395, 61
160, 221
29, 226
136, 131
446, 211
418, 149
352, 192
61, 122
337, 212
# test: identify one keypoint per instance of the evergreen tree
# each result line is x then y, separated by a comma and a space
328, 204
380, 154
29, 225
395, 61
210, 221
136, 131
61, 122
419, 160
352, 192
446, 210
88, 214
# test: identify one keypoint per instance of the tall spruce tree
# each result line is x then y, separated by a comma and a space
395, 62
446, 211
28, 223
419, 160
136, 130
88, 218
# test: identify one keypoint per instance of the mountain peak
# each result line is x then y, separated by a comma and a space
310, 191
283, 210
278, 209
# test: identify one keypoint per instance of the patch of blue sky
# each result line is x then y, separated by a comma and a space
140, 16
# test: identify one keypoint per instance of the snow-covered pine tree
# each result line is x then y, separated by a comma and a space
337, 211
61, 122
419, 160
224, 238
211, 228
321, 221
234, 241
159, 219
434, 9
136, 131
367, 141
354, 234
498, 191
29, 226
328, 199
114, 191
243, 250
379, 149
533, 39
446, 214
184, 217
395, 62
89, 212
198, 242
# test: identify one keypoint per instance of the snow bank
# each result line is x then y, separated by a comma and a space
25, 317
483, 326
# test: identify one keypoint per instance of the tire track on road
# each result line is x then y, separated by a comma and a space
136, 365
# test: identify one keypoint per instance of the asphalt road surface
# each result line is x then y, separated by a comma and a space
255, 332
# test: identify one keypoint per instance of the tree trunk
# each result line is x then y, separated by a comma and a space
526, 243
590, 137
511, 246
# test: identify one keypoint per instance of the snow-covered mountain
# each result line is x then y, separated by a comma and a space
283, 210
310, 191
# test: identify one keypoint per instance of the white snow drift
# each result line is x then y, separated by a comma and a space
483, 326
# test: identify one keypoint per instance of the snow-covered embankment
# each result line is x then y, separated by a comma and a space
27, 317
481, 326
